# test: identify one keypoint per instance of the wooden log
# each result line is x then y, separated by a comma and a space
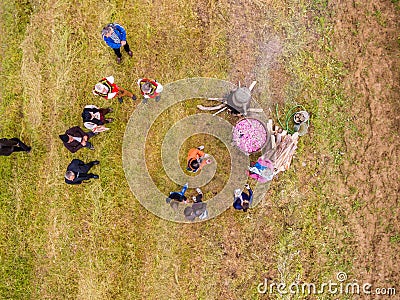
201, 107
216, 99
256, 110
221, 110
269, 125
251, 87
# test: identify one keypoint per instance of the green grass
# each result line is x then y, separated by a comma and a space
395, 239
96, 241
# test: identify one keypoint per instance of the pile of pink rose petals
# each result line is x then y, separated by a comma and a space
249, 135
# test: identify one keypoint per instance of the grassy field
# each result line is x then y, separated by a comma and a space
335, 210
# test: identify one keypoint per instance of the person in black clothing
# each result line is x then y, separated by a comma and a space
94, 118
242, 200
178, 196
198, 209
8, 146
175, 198
75, 138
77, 171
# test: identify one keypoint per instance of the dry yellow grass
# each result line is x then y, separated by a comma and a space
96, 241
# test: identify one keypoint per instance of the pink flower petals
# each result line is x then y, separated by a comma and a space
249, 135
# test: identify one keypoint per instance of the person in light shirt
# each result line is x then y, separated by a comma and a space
150, 89
107, 89
94, 118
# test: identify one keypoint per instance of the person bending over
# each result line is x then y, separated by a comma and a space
197, 159
75, 138
242, 200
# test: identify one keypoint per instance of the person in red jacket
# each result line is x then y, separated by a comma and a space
150, 89
107, 89
197, 159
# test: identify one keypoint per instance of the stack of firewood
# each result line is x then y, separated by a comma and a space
284, 146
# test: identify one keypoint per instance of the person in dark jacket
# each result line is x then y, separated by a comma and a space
115, 37
75, 138
242, 200
178, 196
77, 171
8, 146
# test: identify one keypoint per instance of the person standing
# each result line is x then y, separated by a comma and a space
75, 138
107, 89
150, 89
115, 37
77, 171
8, 146
242, 200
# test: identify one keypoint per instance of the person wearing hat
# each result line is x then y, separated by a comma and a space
115, 37
242, 200
77, 171
8, 146
94, 118
107, 89
75, 138
150, 89
196, 159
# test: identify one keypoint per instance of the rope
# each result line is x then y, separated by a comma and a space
288, 118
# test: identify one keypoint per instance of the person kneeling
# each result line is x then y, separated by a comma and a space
197, 159
242, 200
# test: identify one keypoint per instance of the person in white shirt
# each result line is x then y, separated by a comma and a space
107, 89
94, 118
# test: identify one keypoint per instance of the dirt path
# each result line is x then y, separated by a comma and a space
367, 41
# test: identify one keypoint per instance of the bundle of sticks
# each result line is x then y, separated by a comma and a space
283, 146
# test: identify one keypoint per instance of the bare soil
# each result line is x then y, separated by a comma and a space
366, 39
